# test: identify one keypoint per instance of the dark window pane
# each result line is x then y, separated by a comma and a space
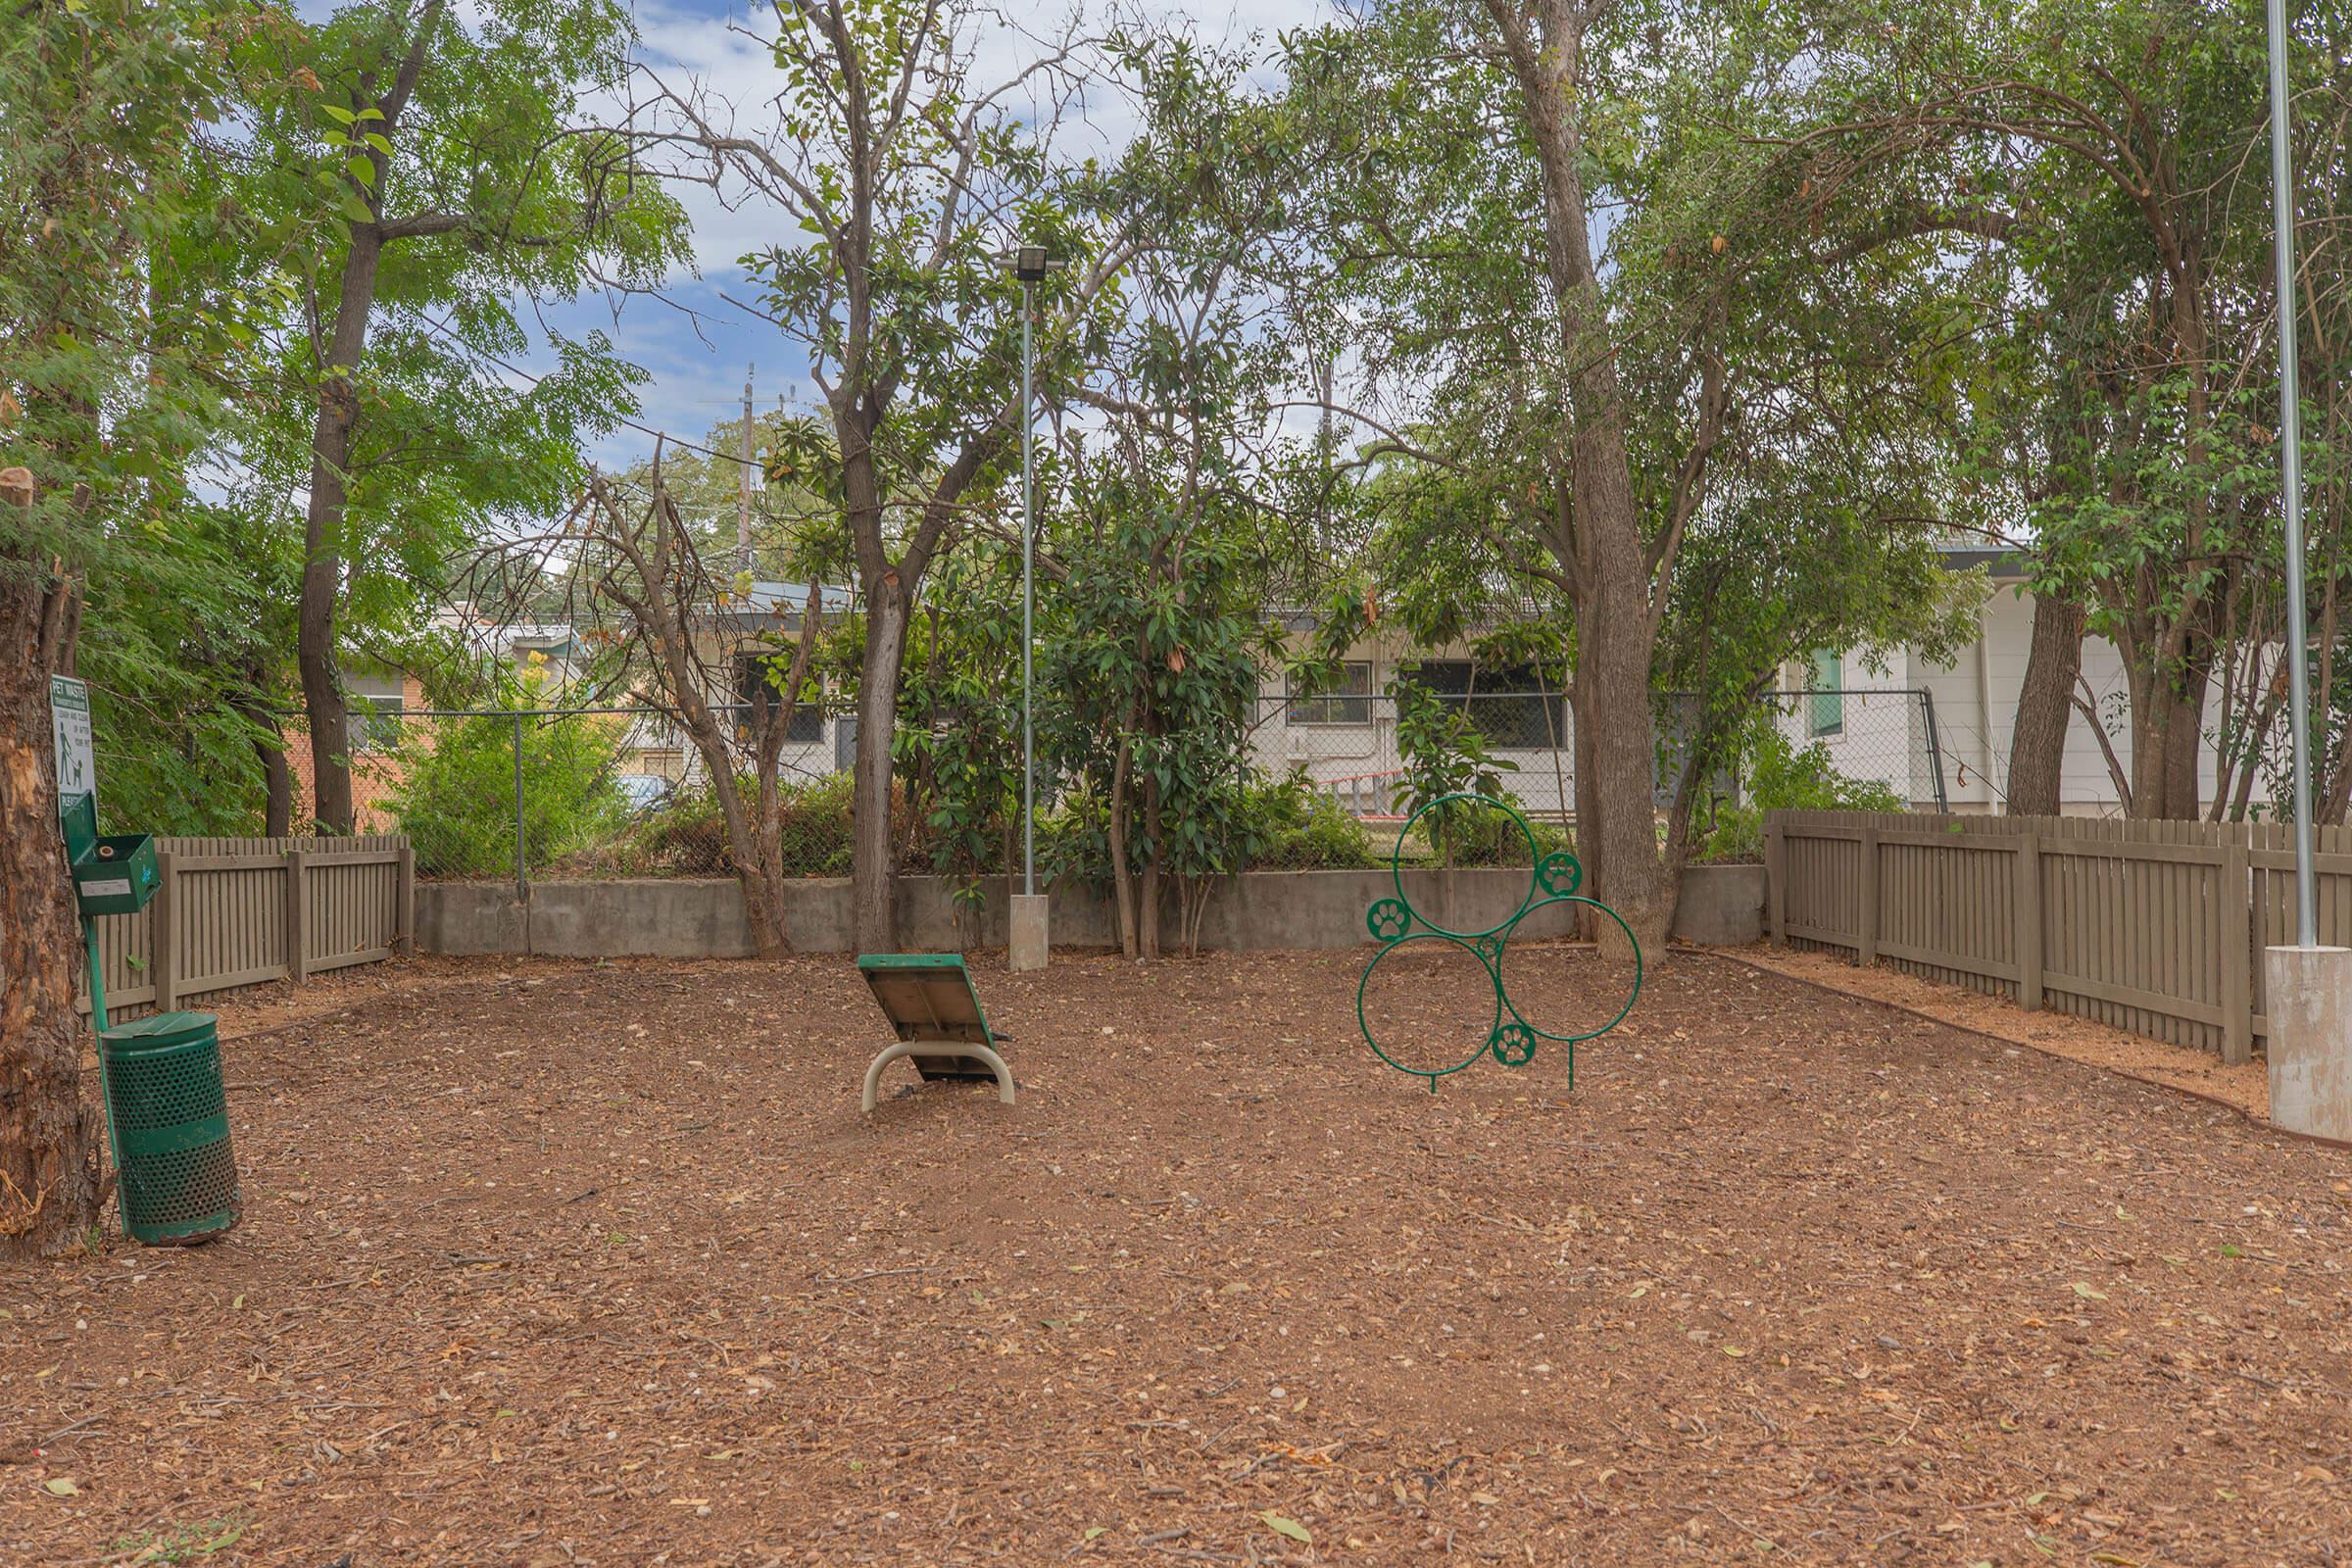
1509, 706
375, 723
753, 672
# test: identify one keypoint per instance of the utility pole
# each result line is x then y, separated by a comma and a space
743, 503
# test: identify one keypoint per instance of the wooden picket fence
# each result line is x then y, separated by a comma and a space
231, 913
2155, 927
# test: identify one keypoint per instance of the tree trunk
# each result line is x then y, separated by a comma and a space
763, 910
1122, 878
762, 877
2184, 746
277, 786
323, 538
49, 1194
1148, 895
269, 750
1613, 676
2168, 713
1588, 807
1614, 581
2046, 706
872, 874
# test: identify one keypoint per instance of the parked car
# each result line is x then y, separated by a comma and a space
645, 792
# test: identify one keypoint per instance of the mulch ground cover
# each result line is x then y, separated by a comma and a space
570, 1264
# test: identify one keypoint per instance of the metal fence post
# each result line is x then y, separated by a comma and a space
1934, 742
522, 883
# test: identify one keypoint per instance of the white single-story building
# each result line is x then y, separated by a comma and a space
1937, 734
1960, 721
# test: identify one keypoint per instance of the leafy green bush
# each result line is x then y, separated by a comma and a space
1286, 824
455, 796
687, 836
1469, 833
1442, 751
1784, 777
1278, 823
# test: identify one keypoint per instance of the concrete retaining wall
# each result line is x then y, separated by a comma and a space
1722, 906
671, 918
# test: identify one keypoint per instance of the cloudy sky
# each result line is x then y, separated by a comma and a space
695, 343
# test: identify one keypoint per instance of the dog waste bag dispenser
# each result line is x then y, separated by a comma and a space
167, 1110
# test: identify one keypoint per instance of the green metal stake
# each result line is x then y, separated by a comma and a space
106, 1100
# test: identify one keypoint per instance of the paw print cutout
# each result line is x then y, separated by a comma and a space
1513, 1044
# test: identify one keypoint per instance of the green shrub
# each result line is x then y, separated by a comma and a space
687, 836
1289, 824
455, 797
1784, 777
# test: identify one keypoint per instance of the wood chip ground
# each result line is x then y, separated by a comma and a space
551, 1265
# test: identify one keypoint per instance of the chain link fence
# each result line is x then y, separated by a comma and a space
1885, 737
588, 793
497, 795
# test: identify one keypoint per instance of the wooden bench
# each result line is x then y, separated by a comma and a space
929, 1001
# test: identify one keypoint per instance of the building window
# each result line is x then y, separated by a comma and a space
1346, 700
376, 724
755, 671
1512, 705
1827, 701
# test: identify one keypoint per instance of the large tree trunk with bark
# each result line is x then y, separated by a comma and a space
2168, 717
49, 1193
2046, 706
322, 536
1611, 572
1613, 649
872, 879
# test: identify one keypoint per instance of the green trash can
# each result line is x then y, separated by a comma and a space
169, 1111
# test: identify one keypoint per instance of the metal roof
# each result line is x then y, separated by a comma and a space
771, 603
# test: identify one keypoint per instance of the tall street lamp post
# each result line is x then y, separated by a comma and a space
1029, 936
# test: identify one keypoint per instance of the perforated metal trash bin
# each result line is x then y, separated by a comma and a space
170, 1119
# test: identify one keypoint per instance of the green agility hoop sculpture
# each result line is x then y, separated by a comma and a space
1510, 1038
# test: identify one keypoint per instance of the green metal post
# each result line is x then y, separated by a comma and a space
106, 1100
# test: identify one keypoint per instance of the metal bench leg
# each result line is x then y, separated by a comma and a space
909, 1048
996, 1064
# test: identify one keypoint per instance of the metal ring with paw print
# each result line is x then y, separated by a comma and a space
1509, 1035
